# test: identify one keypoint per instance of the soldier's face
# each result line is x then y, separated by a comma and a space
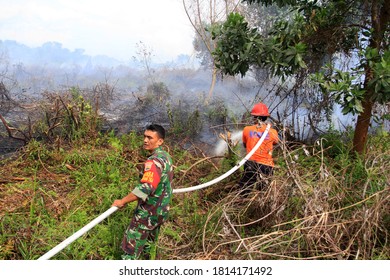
152, 140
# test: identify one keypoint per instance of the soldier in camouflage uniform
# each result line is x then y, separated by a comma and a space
153, 194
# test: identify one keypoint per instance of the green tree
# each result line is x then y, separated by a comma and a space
319, 33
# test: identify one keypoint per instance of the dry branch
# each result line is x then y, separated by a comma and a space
11, 130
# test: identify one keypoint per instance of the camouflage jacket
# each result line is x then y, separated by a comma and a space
154, 191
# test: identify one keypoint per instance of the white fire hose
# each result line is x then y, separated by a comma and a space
111, 210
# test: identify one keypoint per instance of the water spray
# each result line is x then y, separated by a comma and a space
111, 210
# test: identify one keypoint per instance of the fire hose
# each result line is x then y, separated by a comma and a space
111, 210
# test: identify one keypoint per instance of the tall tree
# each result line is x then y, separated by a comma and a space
319, 33
203, 14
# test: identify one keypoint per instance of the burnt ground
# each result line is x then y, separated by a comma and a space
8, 146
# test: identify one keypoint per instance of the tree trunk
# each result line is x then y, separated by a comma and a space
380, 17
362, 125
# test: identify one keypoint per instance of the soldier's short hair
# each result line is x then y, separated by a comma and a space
157, 128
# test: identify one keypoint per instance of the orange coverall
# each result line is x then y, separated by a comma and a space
261, 161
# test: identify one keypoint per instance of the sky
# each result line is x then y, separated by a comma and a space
109, 27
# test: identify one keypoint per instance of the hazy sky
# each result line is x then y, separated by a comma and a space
110, 27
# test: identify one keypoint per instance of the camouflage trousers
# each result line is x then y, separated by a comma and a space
137, 241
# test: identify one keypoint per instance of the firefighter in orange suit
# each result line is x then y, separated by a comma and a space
260, 165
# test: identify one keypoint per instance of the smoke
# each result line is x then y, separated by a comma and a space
222, 146
175, 95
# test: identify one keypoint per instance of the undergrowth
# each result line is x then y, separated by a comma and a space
323, 202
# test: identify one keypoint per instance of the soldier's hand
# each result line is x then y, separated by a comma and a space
118, 203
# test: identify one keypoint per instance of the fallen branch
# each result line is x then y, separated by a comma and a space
12, 180
11, 129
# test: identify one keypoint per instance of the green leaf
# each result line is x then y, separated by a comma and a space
359, 107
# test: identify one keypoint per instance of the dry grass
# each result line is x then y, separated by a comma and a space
310, 211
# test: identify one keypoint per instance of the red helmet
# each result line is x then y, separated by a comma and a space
260, 109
